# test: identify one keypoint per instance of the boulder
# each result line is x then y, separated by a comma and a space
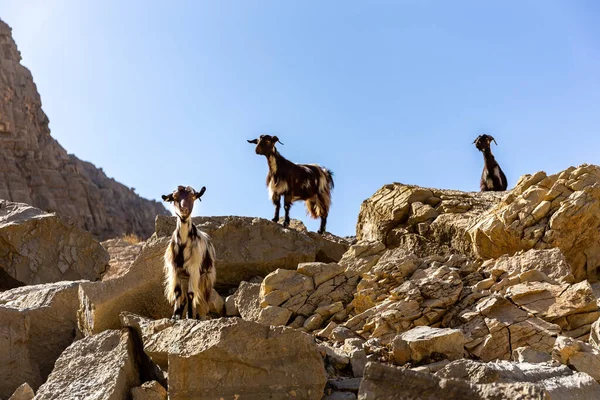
237, 357
139, 291
423, 342
595, 334
578, 355
555, 381
530, 355
247, 246
551, 262
36, 324
23, 392
247, 300
149, 391
399, 214
393, 383
122, 254
542, 212
38, 247
99, 367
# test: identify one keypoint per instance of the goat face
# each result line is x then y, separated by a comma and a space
183, 200
265, 144
483, 142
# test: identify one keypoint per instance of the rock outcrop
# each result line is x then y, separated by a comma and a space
248, 247
38, 247
36, 170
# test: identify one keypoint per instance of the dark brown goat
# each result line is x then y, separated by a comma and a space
308, 182
492, 178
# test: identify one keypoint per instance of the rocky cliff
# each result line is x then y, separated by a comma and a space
36, 170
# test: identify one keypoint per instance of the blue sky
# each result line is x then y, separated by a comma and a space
166, 93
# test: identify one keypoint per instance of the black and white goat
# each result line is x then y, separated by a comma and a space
308, 182
189, 267
492, 178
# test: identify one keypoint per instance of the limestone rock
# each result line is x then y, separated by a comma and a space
555, 382
247, 246
237, 357
273, 315
140, 291
230, 307
23, 392
551, 262
122, 254
595, 334
102, 366
390, 383
578, 355
36, 324
36, 170
40, 248
247, 301
561, 210
530, 355
149, 391
420, 343
393, 213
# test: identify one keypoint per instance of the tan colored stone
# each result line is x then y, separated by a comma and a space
273, 315
122, 254
421, 342
266, 246
287, 281
36, 324
101, 366
524, 220
313, 322
234, 356
149, 391
275, 298
23, 392
578, 355
40, 248
139, 291
247, 300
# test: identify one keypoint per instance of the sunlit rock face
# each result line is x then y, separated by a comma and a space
35, 169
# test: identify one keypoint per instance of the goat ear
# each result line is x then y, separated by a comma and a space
492, 138
276, 139
254, 141
168, 197
200, 193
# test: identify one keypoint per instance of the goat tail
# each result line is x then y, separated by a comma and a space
329, 178
318, 205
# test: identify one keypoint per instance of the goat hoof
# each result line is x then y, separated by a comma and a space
175, 318
321, 231
275, 220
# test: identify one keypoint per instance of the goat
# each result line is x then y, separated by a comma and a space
189, 266
308, 182
492, 178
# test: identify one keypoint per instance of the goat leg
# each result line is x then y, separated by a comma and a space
277, 202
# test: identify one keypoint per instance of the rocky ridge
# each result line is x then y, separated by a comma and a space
36, 170
417, 308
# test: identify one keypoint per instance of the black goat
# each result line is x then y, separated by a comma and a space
308, 182
492, 178
189, 267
